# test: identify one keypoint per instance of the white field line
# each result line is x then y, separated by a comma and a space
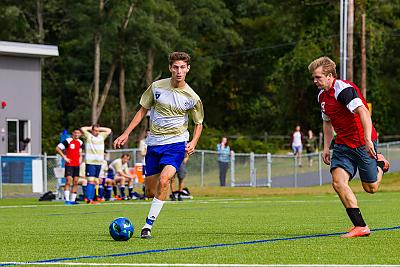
193, 264
220, 201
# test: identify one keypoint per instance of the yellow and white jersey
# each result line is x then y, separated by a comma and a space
117, 166
104, 169
94, 147
169, 109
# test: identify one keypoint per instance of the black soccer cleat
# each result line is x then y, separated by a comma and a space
146, 233
180, 196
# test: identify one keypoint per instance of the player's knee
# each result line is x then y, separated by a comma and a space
338, 185
370, 189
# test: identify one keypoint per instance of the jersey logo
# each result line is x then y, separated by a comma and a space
158, 95
72, 146
323, 106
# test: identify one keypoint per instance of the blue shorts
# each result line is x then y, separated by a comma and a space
351, 159
297, 149
110, 174
93, 170
159, 156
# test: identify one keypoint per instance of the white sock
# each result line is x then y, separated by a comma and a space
73, 196
155, 209
66, 195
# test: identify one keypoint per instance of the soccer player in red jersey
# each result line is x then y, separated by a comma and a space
73, 148
345, 111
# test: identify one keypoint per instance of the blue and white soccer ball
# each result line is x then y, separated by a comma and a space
121, 229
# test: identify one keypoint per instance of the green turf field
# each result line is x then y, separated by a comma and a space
35, 231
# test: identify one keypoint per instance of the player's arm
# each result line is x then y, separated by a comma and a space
105, 130
59, 149
366, 122
86, 129
121, 140
328, 137
198, 128
198, 117
349, 97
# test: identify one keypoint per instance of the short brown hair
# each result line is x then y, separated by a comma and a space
126, 155
95, 126
174, 56
328, 66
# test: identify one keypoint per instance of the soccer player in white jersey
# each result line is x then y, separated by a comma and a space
94, 148
169, 101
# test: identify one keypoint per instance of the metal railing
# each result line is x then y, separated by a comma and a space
245, 169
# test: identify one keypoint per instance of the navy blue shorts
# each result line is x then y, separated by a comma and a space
110, 174
93, 170
159, 156
351, 159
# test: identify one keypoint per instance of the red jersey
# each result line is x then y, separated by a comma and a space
338, 105
73, 150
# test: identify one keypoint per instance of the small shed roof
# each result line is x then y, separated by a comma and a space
27, 50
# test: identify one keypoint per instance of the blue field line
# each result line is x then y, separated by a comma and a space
192, 247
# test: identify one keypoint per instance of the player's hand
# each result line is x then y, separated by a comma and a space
326, 157
190, 148
67, 160
121, 140
369, 146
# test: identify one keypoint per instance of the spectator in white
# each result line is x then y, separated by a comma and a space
297, 144
224, 157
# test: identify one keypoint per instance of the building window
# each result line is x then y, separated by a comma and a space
18, 136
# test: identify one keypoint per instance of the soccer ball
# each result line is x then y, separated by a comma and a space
121, 229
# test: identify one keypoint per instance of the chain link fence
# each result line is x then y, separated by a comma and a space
22, 175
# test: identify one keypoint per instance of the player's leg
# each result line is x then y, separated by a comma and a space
340, 182
131, 185
121, 181
158, 201
83, 183
74, 189
172, 188
371, 170
340, 179
108, 189
91, 178
150, 185
169, 158
67, 188
181, 176
343, 169
101, 189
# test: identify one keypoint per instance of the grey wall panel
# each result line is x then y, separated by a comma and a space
20, 87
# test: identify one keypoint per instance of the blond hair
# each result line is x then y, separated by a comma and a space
327, 64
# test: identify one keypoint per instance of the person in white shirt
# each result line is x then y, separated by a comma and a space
297, 144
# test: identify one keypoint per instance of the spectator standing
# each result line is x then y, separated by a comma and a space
311, 146
224, 157
297, 144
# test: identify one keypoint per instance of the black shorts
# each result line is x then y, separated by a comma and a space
72, 171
